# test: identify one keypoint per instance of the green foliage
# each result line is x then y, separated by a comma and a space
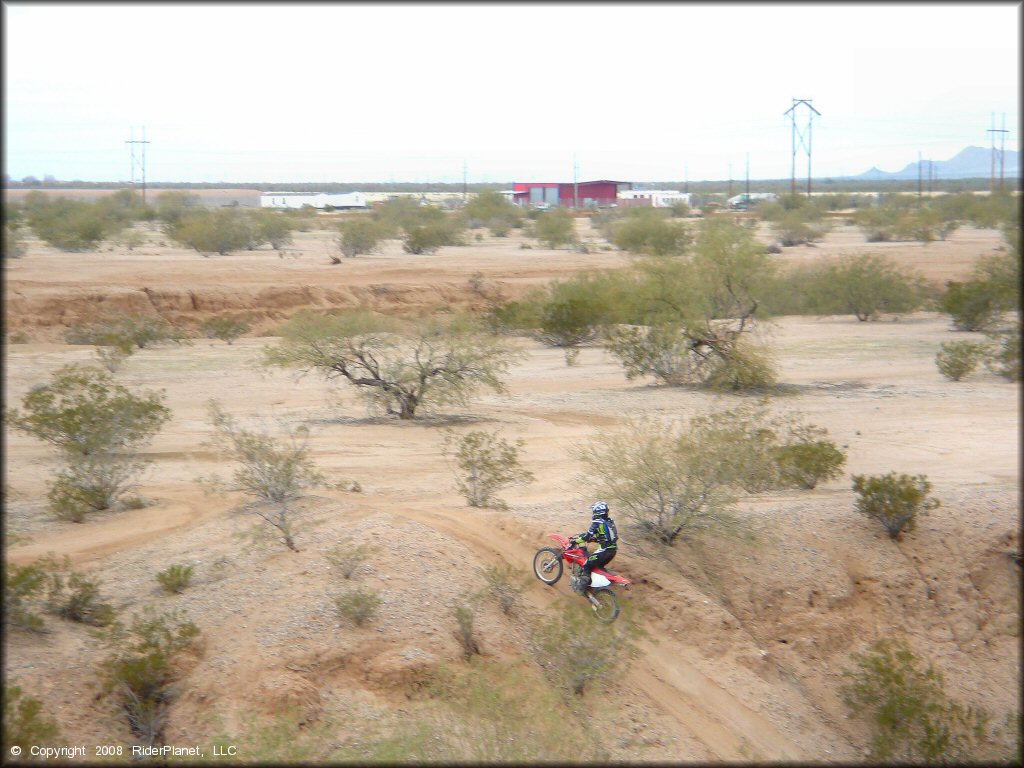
122, 331
504, 584
74, 596
647, 231
23, 586
972, 305
218, 230
402, 214
494, 211
400, 366
957, 359
175, 578
745, 369
902, 217
555, 228
140, 668
275, 472
485, 463
99, 428
24, 724
75, 225
427, 238
358, 605
173, 206
865, 286
14, 246
1004, 359
894, 500
347, 556
465, 616
573, 655
805, 458
796, 220
360, 235
912, 718
271, 227
224, 327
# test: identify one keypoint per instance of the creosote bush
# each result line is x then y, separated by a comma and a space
141, 667
465, 618
912, 718
360, 235
894, 500
957, 359
24, 724
347, 556
23, 587
555, 228
74, 596
175, 578
225, 328
503, 584
485, 463
358, 605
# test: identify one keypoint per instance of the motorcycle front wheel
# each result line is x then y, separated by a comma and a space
604, 604
547, 565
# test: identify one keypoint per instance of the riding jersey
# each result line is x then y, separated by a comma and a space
603, 532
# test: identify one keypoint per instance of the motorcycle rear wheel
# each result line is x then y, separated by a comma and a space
547, 565
604, 604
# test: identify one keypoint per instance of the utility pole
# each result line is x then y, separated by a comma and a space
802, 134
131, 146
993, 130
575, 183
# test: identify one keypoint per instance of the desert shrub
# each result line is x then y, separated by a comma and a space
912, 718
972, 305
113, 357
555, 228
1004, 357
663, 352
465, 633
894, 500
358, 605
74, 596
427, 238
14, 246
224, 327
485, 463
347, 556
275, 472
573, 655
99, 427
74, 225
272, 227
140, 668
504, 585
957, 359
172, 206
650, 233
495, 210
867, 285
23, 588
746, 369
797, 226
360, 235
221, 230
124, 330
664, 480
399, 366
24, 724
806, 458
175, 578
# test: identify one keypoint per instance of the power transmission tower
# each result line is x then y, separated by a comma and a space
132, 149
801, 134
1002, 143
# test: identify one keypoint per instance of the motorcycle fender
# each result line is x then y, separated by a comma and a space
597, 580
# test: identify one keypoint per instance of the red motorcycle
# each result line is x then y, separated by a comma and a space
547, 566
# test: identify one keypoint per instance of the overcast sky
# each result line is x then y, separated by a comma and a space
418, 92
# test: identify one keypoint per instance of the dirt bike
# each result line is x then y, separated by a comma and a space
547, 566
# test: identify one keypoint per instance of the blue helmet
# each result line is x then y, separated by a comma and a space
600, 510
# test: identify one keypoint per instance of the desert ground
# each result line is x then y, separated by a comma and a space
745, 640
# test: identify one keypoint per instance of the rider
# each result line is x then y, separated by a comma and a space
602, 528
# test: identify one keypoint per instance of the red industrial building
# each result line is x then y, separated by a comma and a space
584, 194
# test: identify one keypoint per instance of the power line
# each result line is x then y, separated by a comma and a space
131, 143
801, 134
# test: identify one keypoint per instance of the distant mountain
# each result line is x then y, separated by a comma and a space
969, 163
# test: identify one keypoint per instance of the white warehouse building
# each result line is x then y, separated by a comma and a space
658, 198
321, 200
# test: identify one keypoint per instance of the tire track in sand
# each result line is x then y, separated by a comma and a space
727, 727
